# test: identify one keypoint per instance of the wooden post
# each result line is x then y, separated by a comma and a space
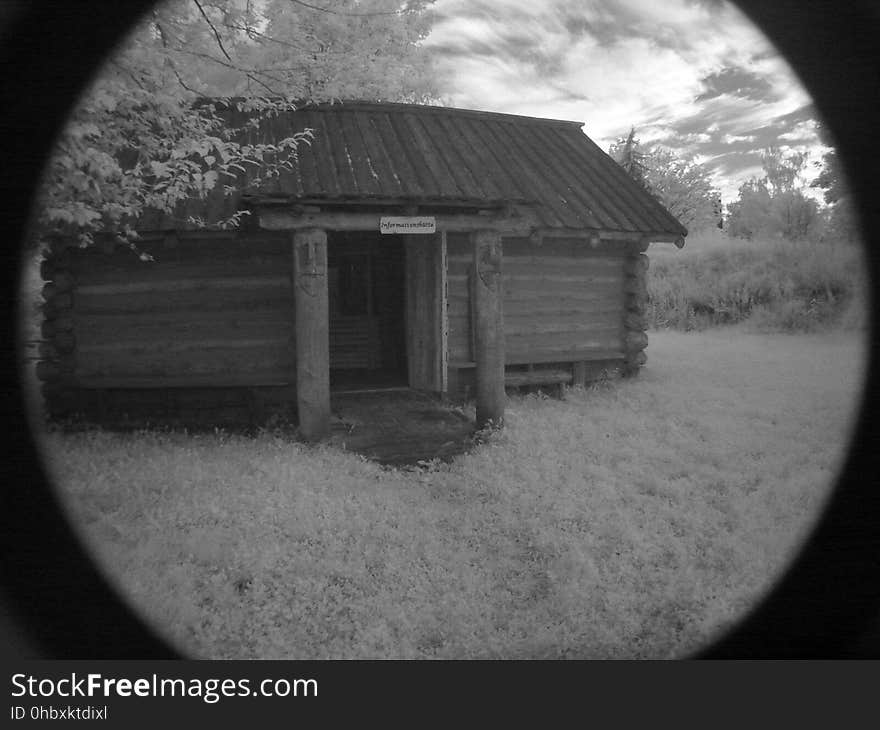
442, 299
312, 333
488, 327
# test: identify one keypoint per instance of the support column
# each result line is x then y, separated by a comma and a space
488, 328
312, 333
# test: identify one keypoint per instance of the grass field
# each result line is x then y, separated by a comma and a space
635, 519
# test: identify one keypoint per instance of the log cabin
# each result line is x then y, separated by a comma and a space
453, 251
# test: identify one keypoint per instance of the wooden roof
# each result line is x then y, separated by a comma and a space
397, 154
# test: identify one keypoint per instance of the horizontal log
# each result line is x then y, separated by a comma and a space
523, 316
58, 304
635, 321
64, 280
56, 260
634, 341
168, 268
145, 328
637, 265
183, 346
540, 280
174, 360
205, 380
542, 261
563, 354
529, 325
560, 309
56, 369
636, 302
47, 269
603, 334
50, 327
47, 351
192, 300
64, 341
610, 235
56, 391
608, 339
638, 246
276, 220
635, 285
175, 285
49, 291
537, 377
636, 359
610, 358
544, 297
568, 328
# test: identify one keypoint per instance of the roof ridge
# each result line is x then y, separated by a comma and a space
404, 107
401, 107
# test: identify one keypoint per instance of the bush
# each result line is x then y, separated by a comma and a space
777, 285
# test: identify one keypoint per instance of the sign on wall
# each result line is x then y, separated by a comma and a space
407, 224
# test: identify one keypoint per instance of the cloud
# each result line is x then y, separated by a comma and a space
736, 81
693, 75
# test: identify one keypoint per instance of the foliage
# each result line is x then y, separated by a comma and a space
626, 153
620, 522
685, 189
842, 221
775, 285
144, 137
683, 186
774, 206
373, 53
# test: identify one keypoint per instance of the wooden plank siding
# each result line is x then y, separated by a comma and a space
207, 311
563, 302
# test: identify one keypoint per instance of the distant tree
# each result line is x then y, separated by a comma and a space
149, 132
627, 153
774, 206
842, 221
748, 216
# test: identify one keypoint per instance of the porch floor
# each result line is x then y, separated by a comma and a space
399, 427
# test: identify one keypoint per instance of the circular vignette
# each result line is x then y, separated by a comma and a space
55, 602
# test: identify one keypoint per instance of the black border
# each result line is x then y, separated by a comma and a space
55, 603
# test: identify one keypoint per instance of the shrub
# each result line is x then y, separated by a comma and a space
776, 285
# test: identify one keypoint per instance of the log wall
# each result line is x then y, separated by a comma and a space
208, 312
564, 306
636, 300
211, 321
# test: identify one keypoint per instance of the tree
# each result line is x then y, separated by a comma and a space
684, 187
842, 221
150, 131
626, 153
774, 206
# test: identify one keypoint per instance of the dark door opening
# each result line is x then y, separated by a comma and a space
365, 277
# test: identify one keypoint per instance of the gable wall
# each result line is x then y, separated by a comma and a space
563, 301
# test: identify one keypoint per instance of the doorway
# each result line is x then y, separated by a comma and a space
367, 290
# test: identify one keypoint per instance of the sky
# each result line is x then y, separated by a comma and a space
695, 76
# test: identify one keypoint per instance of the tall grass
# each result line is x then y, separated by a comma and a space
773, 285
